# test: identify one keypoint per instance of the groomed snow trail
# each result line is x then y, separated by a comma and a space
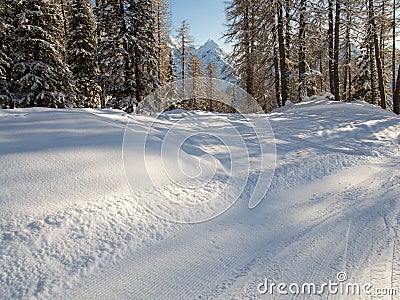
70, 228
311, 237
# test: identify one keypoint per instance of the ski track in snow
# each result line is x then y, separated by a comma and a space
70, 228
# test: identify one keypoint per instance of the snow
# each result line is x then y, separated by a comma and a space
72, 228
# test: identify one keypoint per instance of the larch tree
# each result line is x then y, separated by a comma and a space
336, 51
393, 47
212, 75
281, 65
196, 72
162, 31
302, 50
396, 96
374, 42
185, 49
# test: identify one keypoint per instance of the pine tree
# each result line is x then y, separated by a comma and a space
111, 53
81, 53
41, 76
171, 68
6, 63
143, 47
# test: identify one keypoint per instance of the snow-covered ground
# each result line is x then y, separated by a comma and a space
71, 227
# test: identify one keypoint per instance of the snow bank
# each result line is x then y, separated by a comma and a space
68, 213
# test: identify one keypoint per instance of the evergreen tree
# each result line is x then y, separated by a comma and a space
112, 57
81, 53
40, 76
6, 34
171, 68
142, 47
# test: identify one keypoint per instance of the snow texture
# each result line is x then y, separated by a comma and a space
70, 227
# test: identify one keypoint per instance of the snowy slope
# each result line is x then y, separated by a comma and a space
71, 228
209, 52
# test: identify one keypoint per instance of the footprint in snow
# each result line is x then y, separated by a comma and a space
53, 220
36, 225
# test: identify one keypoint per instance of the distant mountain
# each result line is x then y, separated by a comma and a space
209, 52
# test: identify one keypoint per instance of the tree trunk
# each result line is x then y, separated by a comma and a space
347, 69
396, 98
278, 95
372, 67
302, 54
378, 59
101, 69
282, 56
336, 79
350, 95
248, 50
330, 47
394, 48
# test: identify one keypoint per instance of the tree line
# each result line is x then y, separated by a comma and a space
70, 53
80, 53
66, 53
291, 49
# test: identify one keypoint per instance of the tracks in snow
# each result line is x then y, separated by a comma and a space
321, 234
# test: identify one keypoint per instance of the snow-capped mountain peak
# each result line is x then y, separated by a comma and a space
210, 45
208, 52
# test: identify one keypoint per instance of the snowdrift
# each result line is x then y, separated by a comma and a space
72, 227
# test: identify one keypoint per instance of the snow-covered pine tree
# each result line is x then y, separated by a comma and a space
41, 76
171, 70
7, 11
81, 53
142, 47
112, 57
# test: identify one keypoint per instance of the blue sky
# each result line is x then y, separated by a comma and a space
206, 18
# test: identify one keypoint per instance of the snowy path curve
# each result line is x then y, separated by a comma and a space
228, 257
